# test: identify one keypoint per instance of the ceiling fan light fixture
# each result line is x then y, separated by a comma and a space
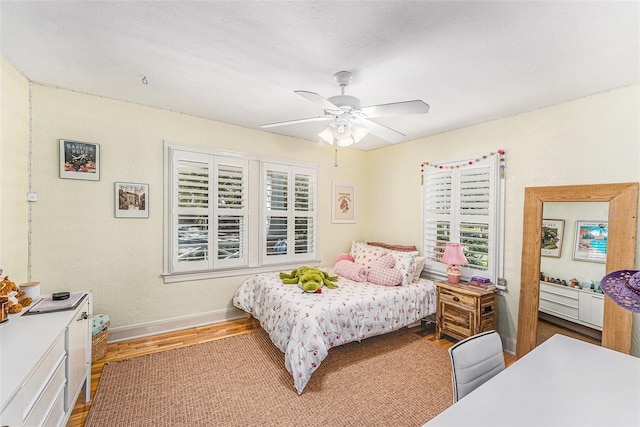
327, 135
342, 131
358, 132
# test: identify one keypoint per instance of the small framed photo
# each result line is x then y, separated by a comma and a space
131, 200
552, 235
343, 203
591, 241
79, 160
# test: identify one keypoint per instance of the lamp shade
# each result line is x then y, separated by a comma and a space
454, 255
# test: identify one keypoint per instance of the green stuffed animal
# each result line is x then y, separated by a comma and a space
310, 279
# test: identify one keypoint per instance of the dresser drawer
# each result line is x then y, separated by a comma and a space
56, 414
558, 309
457, 298
35, 385
559, 290
45, 406
560, 299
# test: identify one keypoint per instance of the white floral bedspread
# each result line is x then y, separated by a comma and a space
304, 326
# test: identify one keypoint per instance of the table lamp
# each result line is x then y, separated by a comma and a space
454, 256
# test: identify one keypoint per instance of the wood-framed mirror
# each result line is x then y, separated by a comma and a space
621, 245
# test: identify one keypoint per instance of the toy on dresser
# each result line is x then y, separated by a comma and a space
18, 299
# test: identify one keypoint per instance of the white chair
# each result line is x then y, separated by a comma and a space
474, 361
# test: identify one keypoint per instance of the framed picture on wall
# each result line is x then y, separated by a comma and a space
343, 203
79, 160
591, 241
552, 235
131, 200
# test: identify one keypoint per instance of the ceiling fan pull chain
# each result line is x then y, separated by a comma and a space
335, 158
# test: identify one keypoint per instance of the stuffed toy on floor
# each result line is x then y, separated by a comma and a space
309, 279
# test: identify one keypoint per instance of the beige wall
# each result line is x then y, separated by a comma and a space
587, 141
14, 172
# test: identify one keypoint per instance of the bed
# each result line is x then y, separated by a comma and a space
304, 326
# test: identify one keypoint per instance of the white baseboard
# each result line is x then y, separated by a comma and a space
509, 346
173, 324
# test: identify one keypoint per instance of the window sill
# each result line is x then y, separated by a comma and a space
218, 274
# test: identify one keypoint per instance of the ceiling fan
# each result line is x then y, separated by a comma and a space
350, 121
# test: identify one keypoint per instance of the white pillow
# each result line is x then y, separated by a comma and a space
406, 264
421, 261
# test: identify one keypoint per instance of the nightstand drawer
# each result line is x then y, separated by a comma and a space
488, 322
457, 321
457, 298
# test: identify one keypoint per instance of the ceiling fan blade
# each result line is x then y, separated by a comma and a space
396, 109
293, 122
381, 131
317, 99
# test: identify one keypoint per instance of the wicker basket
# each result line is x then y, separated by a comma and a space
99, 346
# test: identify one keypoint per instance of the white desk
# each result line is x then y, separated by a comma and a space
563, 382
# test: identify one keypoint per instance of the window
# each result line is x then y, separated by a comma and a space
289, 203
228, 212
462, 202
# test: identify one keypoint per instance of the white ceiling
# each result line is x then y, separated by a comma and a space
240, 61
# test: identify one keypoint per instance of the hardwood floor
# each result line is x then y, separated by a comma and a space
140, 346
547, 329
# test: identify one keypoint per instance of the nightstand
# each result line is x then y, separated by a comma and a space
464, 310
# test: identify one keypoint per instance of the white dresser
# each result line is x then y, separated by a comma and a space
573, 304
45, 362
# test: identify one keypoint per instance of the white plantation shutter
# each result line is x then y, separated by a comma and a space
290, 213
210, 209
191, 196
231, 212
438, 214
462, 204
476, 217
276, 221
304, 214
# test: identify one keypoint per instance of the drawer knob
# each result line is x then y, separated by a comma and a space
83, 316
456, 299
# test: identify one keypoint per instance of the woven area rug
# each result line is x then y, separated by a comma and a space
398, 379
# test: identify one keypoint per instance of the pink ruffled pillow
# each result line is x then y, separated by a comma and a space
345, 256
350, 270
383, 273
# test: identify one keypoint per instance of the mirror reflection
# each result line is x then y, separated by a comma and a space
572, 263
